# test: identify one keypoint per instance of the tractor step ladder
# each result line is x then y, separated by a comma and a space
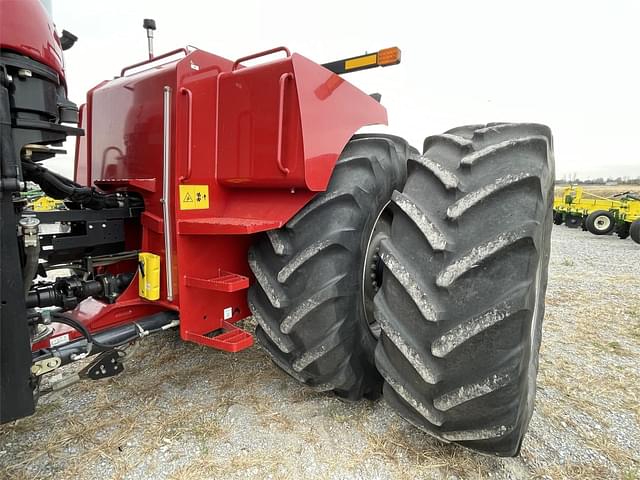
232, 339
224, 282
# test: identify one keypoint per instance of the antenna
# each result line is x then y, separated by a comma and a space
149, 25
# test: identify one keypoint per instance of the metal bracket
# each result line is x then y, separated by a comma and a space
107, 364
45, 366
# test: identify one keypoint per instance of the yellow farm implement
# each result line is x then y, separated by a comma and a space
599, 215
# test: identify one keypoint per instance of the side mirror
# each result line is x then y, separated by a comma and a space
67, 40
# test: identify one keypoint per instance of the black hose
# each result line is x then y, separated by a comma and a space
60, 318
31, 254
61, 188
119, 335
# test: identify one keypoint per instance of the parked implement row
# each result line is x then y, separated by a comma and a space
599, 215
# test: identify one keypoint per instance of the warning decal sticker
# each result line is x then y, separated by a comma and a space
194, 197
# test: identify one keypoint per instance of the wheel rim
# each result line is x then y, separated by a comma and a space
602, 223
372, 267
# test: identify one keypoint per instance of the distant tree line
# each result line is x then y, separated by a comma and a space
599, 181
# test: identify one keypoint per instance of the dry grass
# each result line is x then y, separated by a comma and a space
183, 411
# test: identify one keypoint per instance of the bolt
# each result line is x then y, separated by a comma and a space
51, 363
102, 369
373, 275
113, 360
90, 227
104, 225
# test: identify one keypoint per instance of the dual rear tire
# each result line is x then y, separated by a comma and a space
462, 263
309, 297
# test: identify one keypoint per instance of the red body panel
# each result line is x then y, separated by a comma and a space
227, 128
25, 28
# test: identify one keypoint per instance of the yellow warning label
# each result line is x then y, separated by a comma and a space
194, 197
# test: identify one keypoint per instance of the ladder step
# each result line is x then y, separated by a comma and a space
233, 340
225, 282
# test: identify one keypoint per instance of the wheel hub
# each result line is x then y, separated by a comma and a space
602, 222
373, 268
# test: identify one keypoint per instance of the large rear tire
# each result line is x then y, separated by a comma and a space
308, 300
465, 275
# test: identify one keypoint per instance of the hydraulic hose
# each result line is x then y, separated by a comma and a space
123, 334
61, 318
61, 188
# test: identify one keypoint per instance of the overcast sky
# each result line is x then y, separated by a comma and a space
573, 65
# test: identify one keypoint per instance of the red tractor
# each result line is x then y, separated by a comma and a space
209, 190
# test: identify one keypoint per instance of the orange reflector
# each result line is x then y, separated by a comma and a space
389, 56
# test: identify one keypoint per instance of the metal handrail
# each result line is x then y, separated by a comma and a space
152, 60
187, 92
283, 82
237, 63
166, 190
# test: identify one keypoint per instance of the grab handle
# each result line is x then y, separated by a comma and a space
152, 60
237, 63
187, 92
283, 83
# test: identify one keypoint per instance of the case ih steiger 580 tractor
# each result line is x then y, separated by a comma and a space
208, 190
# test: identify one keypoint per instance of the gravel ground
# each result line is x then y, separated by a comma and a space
184, 411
